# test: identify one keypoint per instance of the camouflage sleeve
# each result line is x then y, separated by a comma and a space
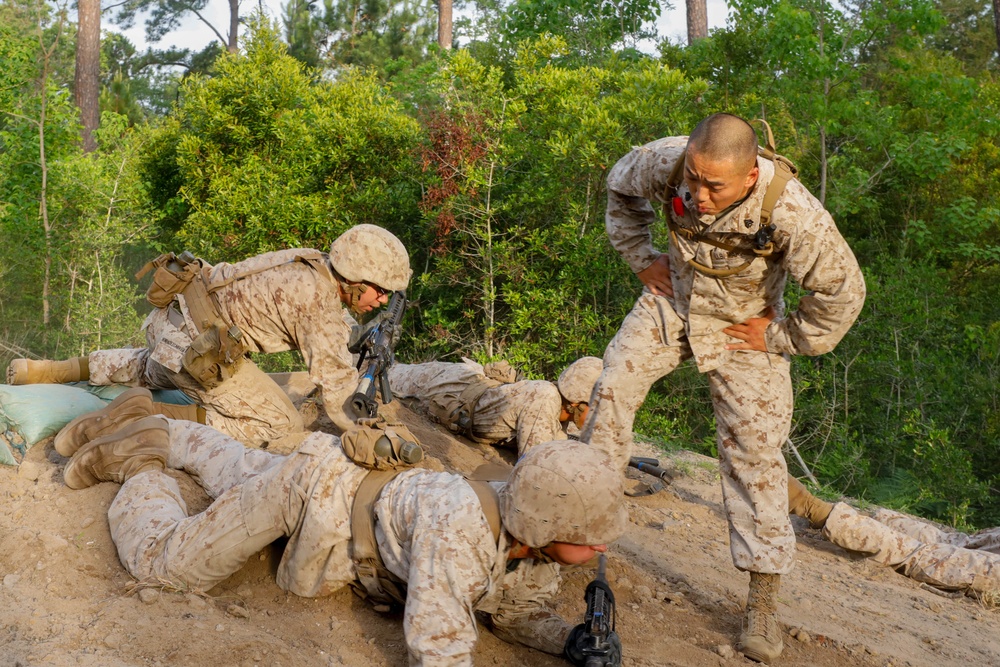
523, 618
323, 342
635, 184
819, 259
449, 570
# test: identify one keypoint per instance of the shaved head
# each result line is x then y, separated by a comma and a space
723, 137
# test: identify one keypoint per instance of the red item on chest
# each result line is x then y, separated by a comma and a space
678, 205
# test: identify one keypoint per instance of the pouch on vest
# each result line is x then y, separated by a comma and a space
215, 355
171, 275
382, 445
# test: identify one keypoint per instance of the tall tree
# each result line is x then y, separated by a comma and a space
86, 82
444, 24
697, 20
996, 22
167, 15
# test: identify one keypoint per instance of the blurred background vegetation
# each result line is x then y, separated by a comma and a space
488, 158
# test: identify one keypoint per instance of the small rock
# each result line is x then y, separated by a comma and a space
239, 611
113, 641
29, 470
149, 595
196, 601
643, 592
87, 523
220, 627
52, 542
10, 580
801, 635
726, 651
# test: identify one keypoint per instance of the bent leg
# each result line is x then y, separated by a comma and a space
124, 366
156, 539
249, 406
752, 398
649, 345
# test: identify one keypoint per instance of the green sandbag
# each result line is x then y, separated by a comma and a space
112, 391
32, 412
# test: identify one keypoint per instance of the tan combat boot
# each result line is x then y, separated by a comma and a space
140, 446
27, 371
191, 412
806, 505
761, 637
128, 407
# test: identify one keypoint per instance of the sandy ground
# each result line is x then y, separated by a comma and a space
66, 600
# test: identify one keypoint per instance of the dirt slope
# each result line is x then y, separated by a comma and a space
66, 600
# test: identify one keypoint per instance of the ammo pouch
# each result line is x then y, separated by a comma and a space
215, 355
382, 446
171, 276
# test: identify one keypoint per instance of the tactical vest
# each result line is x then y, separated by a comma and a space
375, 582
187, 276
784, 171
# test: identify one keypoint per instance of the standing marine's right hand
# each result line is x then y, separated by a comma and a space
656, 276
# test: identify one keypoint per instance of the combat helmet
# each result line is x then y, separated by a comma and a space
577, 381
564, 491
371, 254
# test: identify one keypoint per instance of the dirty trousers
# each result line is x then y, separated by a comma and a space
249, 406
752, 398
258, 499
942, 565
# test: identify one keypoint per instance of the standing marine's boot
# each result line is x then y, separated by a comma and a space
140, 446
129, 406
804, 504
28, 371
761, 637
191, 412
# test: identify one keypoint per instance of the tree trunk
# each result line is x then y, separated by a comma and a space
234, 25
996, 22
444, 24
697, 19
86, 83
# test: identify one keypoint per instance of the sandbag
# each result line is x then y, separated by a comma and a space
32, 412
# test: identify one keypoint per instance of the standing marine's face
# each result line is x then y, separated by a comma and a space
715, 185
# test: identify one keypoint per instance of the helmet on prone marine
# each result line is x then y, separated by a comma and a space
564, 491
370, 256
575, 384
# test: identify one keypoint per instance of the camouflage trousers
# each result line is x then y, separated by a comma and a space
249, 406
255, 505
752, 398
939, 563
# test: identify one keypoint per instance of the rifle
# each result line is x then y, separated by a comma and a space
375, 355
599, 643
652, 467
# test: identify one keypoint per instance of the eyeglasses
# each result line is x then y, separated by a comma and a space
378, 290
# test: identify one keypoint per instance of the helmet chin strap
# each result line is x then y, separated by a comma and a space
353, 292
540, 556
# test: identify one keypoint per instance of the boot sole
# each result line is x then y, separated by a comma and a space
67, 440
79, 472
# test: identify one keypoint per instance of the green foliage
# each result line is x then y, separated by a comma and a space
365, 33
261, 157
65, 217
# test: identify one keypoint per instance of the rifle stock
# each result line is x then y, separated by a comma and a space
599, 624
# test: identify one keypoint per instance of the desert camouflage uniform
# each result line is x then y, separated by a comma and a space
289, 307
751, 391
431, 532
528, 409
917, 549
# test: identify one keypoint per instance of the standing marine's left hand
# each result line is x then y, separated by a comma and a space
751, 332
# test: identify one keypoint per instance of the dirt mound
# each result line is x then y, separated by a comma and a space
66, 600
